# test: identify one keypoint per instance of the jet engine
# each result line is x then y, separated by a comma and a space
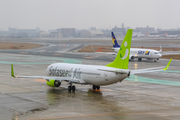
53, 83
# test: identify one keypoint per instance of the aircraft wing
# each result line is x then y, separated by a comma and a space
45, 77
151, 69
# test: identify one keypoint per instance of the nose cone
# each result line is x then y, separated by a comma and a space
47, 69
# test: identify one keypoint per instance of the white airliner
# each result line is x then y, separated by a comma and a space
149, 54
153, 36
170, 36
94, 75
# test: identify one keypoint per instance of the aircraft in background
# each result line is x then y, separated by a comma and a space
138, 36
170, 36
152, 36
94, 75
139, 53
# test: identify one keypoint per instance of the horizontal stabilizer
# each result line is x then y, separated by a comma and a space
116, 71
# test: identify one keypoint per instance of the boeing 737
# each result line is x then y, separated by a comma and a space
94, 75
149, 54
170, 36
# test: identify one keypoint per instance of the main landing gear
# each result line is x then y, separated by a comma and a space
139, 59
95, 87
71, 88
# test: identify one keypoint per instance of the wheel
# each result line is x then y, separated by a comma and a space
154, 60
73, 88
132, 57
98, 87
69, 88
139, 59
94, 87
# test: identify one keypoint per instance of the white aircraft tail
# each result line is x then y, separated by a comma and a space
160, 49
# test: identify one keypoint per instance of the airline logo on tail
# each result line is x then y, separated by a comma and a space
114, 41
127, 51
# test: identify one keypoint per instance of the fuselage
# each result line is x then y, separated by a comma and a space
86, 74
171, 36
143, 53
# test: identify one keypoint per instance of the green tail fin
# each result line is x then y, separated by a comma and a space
122, 59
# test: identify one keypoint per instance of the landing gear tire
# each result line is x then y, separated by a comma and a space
69, 88
139, 59
73, 88
155, 61
132, 57
96, 87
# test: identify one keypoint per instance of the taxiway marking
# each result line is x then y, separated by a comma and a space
40, 80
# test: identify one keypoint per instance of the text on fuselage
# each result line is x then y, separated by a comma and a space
65, 73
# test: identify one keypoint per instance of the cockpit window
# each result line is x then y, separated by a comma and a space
156, 52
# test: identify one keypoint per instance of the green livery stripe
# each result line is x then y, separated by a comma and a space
122, 59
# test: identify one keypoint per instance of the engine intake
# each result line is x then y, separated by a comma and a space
53, 83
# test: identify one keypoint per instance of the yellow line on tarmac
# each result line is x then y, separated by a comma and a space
40, 80
88, 57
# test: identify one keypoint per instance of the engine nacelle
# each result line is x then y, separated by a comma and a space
53, 83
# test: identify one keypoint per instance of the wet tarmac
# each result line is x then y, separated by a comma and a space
143, 96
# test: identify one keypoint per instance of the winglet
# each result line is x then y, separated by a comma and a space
160, 49
167, 65
12, 71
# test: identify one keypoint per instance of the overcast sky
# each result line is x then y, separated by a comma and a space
83, 14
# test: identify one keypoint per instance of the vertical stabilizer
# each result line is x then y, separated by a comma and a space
122, 59
114, 41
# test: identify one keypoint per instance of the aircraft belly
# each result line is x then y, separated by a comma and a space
111, 78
